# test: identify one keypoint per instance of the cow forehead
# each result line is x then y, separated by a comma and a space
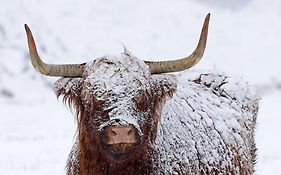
118, 80
117, 74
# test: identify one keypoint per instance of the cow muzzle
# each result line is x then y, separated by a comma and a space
121, 135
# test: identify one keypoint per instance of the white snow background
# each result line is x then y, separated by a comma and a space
37, 131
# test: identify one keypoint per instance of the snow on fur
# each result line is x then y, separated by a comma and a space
121, 86
206, 127
207, 124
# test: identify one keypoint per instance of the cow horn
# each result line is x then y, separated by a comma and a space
184, 63
58, 70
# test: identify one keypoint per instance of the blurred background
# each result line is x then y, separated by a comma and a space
37, 131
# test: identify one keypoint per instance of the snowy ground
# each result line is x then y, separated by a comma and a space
36, 131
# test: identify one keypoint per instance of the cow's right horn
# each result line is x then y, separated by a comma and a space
57, 70
158, 67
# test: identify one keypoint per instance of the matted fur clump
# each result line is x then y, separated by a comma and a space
187, 123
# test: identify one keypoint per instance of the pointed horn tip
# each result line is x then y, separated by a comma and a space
26, 27
207, 19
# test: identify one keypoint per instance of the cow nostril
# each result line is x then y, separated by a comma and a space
130, 132
114, 133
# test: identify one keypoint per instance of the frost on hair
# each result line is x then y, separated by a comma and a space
188, 123
70, 90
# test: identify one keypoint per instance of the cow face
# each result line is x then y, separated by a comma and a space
118, 103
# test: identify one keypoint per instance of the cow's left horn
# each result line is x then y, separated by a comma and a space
58, 70
184, 63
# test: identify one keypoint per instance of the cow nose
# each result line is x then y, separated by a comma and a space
121, 134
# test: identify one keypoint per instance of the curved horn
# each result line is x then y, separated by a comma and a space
184, 63
58, 70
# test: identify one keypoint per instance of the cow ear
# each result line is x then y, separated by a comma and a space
164, 85
69, 89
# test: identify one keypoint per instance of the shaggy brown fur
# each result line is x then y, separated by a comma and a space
93, 155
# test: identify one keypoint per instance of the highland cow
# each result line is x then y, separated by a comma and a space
136, 118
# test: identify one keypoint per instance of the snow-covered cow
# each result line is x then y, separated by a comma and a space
134, 119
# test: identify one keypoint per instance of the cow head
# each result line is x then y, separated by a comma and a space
118, 99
